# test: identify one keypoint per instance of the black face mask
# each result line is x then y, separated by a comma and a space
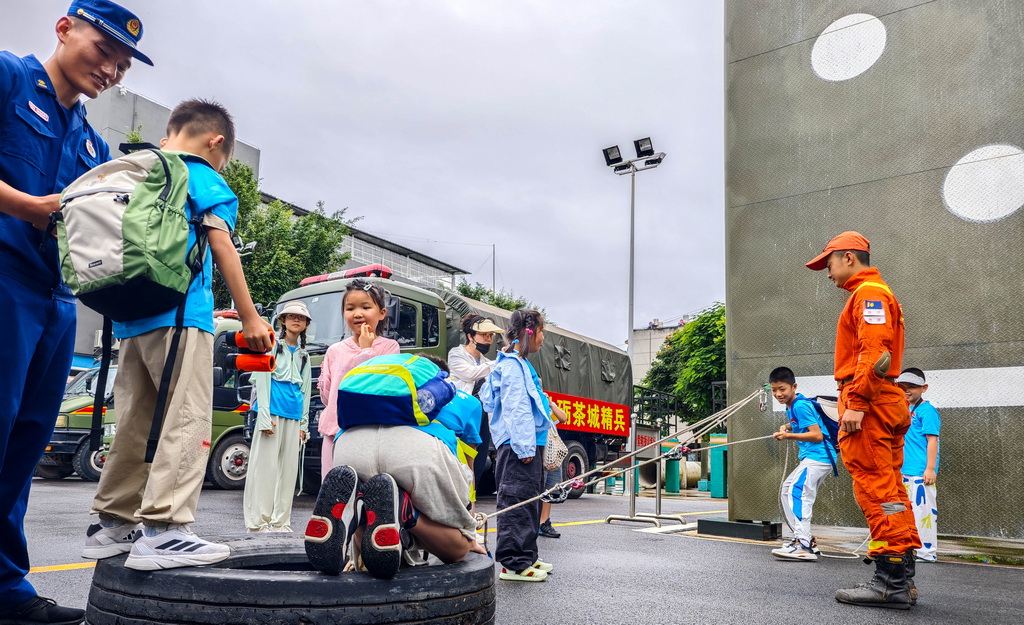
483, 348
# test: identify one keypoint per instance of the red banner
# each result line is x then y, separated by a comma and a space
591, 415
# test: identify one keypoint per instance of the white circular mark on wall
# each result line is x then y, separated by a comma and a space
848, 47
987, 184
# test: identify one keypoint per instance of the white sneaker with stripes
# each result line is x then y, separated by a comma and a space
177, 546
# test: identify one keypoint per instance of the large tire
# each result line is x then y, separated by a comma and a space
229, 462
53, 472
575, 464
267, 579
88, 464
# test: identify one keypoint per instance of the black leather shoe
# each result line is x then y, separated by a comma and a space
548, 531
39, 610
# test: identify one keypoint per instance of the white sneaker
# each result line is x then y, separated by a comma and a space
174, 547
795, 550
259, 530
280, 529
107, 542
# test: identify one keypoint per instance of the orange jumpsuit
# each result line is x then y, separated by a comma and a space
871, 324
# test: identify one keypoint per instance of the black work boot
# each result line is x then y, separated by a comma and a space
886, 589
39, 610
910, 558
547, 530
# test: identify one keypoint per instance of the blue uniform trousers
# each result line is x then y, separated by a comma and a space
39, 338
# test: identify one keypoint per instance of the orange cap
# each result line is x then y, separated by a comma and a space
849, 240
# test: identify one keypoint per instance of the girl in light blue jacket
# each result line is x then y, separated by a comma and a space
519, 427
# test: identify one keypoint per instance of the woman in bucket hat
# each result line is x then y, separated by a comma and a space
281, 404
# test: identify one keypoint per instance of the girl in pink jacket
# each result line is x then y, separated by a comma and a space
365, 314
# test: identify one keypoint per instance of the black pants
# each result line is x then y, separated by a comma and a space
517, 529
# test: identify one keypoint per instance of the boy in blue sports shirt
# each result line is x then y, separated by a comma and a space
801, 487
921, 461
45, 144
163, 495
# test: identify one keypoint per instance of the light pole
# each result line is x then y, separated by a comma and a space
651, 159
613, 158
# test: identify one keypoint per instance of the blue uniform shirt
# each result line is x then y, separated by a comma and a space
924, 419
43, 148
208, 192
802, 415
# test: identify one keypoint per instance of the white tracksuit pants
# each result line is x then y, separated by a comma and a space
798, 494
270, 481
926, 513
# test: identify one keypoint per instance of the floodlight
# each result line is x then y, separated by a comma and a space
643, 147
612, 156
622, 168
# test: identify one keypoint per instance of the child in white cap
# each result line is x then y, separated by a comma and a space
282, 426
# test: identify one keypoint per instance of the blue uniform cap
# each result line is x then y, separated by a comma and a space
112, 19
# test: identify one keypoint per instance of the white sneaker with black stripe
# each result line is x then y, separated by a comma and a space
110, 538
175, 547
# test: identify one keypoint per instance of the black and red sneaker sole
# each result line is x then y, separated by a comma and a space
381, 547
335, 518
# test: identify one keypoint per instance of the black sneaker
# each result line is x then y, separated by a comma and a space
387, 513
335, 518
548, 531
41, 610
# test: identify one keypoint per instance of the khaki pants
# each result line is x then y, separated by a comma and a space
166, 491
270, 481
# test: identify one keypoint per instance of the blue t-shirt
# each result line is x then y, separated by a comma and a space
924, 420
802, 415
209, 193
43, 148
286, 398
462, 416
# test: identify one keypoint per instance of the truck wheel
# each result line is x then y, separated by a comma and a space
53, 472
88, 464
267, 579
229, 462
574, 465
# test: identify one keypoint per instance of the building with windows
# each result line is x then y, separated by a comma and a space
407, 264
647, 342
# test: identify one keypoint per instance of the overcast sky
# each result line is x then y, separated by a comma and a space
451, 125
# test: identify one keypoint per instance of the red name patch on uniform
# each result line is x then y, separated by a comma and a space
205, 444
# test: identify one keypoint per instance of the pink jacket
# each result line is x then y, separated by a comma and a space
341, 358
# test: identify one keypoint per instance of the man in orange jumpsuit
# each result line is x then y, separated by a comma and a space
873, 418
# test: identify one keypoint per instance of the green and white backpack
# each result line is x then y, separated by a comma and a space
122, 232
122, 235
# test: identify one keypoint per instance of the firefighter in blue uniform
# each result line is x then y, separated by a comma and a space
45, 143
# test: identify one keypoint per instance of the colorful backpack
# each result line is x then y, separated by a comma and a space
395, 389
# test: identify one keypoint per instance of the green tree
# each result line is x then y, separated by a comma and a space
288, 249
502, 299
690, 360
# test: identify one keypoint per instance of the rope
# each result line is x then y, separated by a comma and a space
694, 431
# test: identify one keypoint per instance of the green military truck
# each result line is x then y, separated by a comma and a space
590, 380
68, 451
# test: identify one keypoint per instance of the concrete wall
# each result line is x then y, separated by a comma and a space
811, 153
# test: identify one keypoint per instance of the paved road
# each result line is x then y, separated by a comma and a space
604, 573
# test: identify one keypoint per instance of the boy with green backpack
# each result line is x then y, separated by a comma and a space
163, 495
